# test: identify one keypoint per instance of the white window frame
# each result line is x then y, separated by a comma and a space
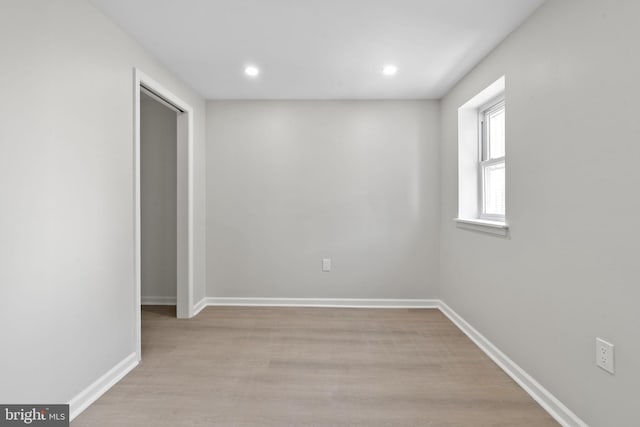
484, 161
471, 210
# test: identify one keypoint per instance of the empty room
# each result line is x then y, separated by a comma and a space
320, 213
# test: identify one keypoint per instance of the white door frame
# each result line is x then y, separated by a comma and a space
184, 295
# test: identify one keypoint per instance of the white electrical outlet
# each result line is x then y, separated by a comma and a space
604, 355
326, 264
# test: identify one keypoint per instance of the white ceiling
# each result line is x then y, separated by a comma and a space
319, 49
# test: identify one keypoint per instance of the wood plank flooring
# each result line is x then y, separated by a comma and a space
233, 366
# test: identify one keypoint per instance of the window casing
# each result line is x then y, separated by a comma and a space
481, 161
492, 160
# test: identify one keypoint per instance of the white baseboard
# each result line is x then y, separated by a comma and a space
323, 302
548, 401
200, 305
158, 300
100, 386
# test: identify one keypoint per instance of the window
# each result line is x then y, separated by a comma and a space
482, 161
492, 161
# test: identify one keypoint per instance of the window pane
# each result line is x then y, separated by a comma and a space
495, 133
494, 189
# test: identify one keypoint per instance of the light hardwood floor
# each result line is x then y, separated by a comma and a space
232, 366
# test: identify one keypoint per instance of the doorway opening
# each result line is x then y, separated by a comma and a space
158, 202
163, 189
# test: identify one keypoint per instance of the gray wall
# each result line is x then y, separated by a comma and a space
66, 186
289, 183
292, 182
158, 204
570, 270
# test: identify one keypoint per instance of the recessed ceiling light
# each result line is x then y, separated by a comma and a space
251, 71
389, 70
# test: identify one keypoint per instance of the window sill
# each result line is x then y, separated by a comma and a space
483, 225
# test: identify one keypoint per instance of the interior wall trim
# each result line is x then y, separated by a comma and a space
100, 386
323, 302
158, 300
560, 412
544, 397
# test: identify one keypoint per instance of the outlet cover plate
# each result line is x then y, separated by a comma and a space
604, 355
326, 265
